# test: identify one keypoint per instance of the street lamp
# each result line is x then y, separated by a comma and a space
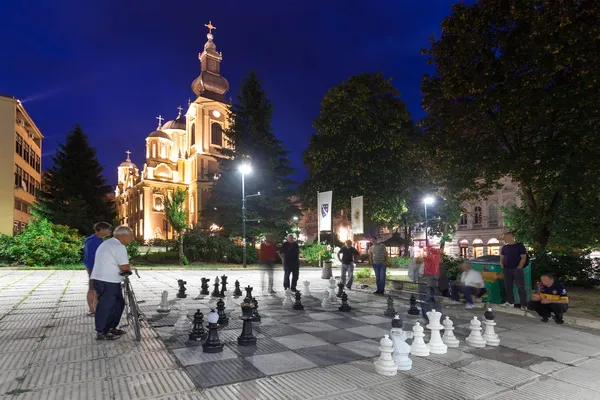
428, 200
244, 169
297, 221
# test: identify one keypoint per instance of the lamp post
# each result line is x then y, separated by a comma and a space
428, 200
244, 169
297, 221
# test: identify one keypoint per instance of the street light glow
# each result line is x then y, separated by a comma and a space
245, 168
295, 218
428, 200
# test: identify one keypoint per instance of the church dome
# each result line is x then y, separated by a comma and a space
177, 123
159, 134
127, 164
210, 83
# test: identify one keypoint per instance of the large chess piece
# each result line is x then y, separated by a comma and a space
397, 322
344, 307
287, 298
216, 292
247, 337
204, 288
436, 345
449, 339
229, 304
181, 293
183, 324
248, 298
340, 289
418, 346
390, 311
237, 292
413, 310
198, 332
213, 344
401, 349
326, 303
164, 308
490, 336
223, 318
298, 304
332, 296
306, 291
223, 285
256, 317
475, 339
385, 365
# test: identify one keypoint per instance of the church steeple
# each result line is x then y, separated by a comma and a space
210, 83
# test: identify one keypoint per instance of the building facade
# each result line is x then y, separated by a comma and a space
20, 165
181, 153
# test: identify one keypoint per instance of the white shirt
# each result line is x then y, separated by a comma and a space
109, 256
468, 278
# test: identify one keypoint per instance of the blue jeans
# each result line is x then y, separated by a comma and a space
110, 305
380, 276
467, 291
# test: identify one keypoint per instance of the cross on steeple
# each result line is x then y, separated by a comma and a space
180, 110
210, 26
128, 154
160, 120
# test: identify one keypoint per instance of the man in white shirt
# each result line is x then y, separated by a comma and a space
470, 284
110, 264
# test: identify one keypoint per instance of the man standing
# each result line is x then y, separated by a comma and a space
267, 256
290, 252
550, 298
348, 254
513, 258
470, 284
111, 264
378, 256
92, 242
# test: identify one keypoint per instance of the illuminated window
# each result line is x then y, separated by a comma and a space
193, 135
463, 219
216, 134
493, 215
153, 149
192, 203
477, 215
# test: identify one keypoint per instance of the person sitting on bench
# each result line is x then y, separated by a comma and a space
550, 298
470, 284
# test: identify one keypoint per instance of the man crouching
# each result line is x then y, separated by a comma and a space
550, 298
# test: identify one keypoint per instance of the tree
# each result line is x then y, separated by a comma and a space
74, 191
177, 216
251, 140
516, 92
362, 147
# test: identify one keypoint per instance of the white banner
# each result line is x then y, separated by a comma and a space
357, 215
324, 210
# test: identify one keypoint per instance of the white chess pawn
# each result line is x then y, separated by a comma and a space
326, 303
306, 291
418, 346
401, 349
449, 338
436, 345
183, 324
164, 303
229, 304
385, 365
332, 288
287, 301
489, 335
475, 339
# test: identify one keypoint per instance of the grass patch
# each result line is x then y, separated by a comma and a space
584, 303
79, 267
20, 379
17, 392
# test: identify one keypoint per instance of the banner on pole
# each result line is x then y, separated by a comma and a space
356, 204
324, 200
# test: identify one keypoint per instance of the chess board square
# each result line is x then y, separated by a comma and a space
196, 356
369, 331
374, 319
324, 316
234, 323
345, 323
338, 336
314, 326
278, 313
179, 341
295, 319
328, 355
278, 363
277, 330
365, 347
231, 335
222, 372
263, 346
300, 341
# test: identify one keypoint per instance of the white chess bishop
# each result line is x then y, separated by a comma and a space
418, 346
401, 349
385, 365
475, 339
449, 339
306, 291
436, 345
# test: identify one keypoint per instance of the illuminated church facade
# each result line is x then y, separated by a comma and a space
181, 153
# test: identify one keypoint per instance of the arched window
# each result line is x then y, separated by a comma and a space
493, 215
163, 151
193, 135
477, 215
463, 219
216, 134
153, 149
158, 203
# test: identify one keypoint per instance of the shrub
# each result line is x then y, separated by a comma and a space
313, 252
363, 273
452, 266
163, 257
133, 249
202, 247
569, 268
5, 244
399, 262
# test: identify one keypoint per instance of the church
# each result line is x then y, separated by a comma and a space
181, 153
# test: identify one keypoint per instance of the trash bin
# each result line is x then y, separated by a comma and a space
491, 271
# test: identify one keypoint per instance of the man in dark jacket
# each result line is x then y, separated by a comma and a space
290, 253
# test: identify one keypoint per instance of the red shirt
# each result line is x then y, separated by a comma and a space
268, 252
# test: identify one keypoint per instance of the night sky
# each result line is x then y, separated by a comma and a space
113, 66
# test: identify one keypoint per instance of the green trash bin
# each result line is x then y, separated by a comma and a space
491, 271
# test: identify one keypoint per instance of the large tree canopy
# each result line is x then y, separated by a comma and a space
362, 147
516, 92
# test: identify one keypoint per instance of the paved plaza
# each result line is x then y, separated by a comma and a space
48, 349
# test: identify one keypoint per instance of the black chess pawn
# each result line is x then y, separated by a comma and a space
248, 298
340, 289
390, 311
397, 322
256, 317
489, 314
345, 307
223, 285
413, 310
247, 337
204, 287
237, 292
216, 292
298, 304
181, 293
223, 319
198, 332
213, 344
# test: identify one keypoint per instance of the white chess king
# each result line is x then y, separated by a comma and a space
385, 365
436, 345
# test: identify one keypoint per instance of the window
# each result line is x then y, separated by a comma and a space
37, 187
32, 158
158, 203
163, 151
22, 206
492, 215
18, 176
38, 163
25, 181
31, 185
153, 149
477, 215
26, 152
216, 134
193, 135
19, 145
463, 219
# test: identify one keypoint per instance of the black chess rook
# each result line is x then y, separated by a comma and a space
204, 287
248, 298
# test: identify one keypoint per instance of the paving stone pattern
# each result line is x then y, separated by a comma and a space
48, 350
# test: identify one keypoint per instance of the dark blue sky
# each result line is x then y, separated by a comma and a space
113, 66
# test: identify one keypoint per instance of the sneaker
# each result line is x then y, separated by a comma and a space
116, 331
558, 320
507, 304
545, 319
523, 308
470, 306
293, 289
349, 287
106, 336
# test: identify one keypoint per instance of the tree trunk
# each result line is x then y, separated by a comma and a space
181, 255
442, 245
541, 239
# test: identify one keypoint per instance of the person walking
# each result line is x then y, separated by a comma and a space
110, 265
378, 257
267, 255
348, 255
513, 258
90, 246
290, 253
550, 298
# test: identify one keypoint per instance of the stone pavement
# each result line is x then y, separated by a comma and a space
48, 351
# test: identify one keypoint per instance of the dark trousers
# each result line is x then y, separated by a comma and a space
379, 270
514, 277
467, 291
545, 310
110, 305
287, 270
